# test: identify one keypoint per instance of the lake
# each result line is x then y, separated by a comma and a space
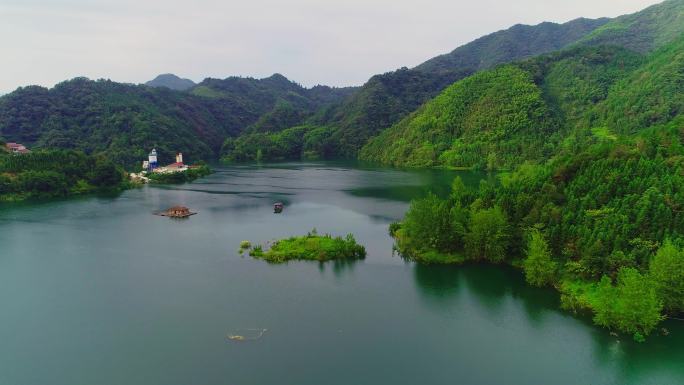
99, 291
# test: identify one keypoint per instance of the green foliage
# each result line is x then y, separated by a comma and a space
125, 121
667, 273
387, 98
605, 207
539, 268
650, 95
515, 43
301, 142
643, 31
188, 175
632, 306
487, 238
57, 173
498, 114
311, 247
501, 118
430, 225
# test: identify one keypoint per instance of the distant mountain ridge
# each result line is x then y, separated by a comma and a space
515, 43
625, 77
387, 98
171, 81
643, 31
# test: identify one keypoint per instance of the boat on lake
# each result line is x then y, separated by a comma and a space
278, 207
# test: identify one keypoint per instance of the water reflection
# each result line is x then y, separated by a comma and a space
497, 290
437, 283
339, 267
172, 289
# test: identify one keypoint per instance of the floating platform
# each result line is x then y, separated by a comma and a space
176, 212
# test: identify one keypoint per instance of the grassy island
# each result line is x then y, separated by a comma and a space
312, 247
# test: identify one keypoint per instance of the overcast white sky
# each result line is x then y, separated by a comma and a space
333, 42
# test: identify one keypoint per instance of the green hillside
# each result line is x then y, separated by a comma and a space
653, 94
500, 111
643, 31
125, 121
385, 99
56, 173
597, 213
478, 122
515, 43
602, 222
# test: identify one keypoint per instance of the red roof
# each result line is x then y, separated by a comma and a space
176, 165
17, 147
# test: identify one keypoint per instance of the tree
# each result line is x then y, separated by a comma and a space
667, 273
632, 306
428, 225
488, 236
459, 191
539, 267
105, 174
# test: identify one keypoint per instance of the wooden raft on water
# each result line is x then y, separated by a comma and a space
176, 212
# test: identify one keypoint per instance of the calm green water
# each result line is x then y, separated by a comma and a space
98, 291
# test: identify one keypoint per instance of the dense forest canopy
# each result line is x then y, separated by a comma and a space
387, 98
56, 173
125, 121
602, 221
609, 89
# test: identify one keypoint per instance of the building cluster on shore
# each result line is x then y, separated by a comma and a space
151, 165
17, 148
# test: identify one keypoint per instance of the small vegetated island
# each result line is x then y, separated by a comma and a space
312, 247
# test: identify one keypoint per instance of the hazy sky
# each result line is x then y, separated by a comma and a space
334, 42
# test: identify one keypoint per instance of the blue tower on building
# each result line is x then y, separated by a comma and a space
152, 159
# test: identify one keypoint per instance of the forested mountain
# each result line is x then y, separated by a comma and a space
171, 81
278, 102
602, 87
274, 118
125, 121
387, 98
593, 204
502, 117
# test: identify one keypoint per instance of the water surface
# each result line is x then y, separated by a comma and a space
97, 290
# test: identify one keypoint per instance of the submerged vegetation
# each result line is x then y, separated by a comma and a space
310, 247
